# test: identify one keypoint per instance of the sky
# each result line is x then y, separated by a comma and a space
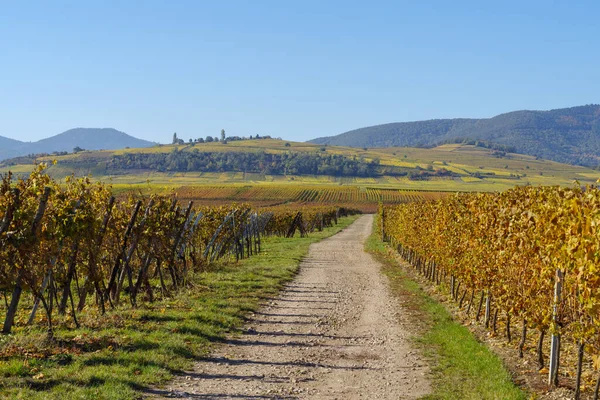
291, 69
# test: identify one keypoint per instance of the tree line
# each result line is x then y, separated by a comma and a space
289, 163
224, 139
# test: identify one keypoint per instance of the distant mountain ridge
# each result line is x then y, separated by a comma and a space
86, 138
568, 135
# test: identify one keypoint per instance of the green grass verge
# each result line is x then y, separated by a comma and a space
463, 368
125, 352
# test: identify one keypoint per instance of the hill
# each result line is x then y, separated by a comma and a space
569, 135
450, 167
9, 147
86, 138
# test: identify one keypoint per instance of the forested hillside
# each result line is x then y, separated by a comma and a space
569, 135
83, 138
289, 163
8, 146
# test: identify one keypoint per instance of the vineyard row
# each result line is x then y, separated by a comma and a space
316, 194
532, 254
73, 245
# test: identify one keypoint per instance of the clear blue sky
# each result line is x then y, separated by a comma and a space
298, 69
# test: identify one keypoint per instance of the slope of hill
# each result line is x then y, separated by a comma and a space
451, 167
86, 138
569, 135
8, 147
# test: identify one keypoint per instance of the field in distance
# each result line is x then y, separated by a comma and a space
237, 170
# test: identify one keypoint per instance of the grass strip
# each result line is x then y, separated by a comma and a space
118, 355
462, 367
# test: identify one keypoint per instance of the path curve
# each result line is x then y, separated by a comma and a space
335, 332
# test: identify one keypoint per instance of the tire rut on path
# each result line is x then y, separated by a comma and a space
334, 332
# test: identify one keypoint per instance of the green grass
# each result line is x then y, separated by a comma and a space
120, 354
463, 368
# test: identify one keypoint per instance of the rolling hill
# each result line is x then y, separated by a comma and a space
569, 135
87, 138
8, 147
450, 167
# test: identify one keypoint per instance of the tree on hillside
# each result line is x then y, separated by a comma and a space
175, 140
222, 135
209, 139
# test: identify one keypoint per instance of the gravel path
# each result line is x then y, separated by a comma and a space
335, 332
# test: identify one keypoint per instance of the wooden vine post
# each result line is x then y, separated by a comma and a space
555, 342
111, 288
18, 289
93, 261
383, 224
487, 308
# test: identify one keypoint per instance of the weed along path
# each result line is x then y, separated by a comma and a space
335, 332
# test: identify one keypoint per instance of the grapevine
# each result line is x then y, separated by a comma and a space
73, 245
507, 248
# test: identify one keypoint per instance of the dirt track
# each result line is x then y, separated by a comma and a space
335, 332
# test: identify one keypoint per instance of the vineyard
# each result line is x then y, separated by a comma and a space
66, 248
365, 199
528, 257
73, 253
